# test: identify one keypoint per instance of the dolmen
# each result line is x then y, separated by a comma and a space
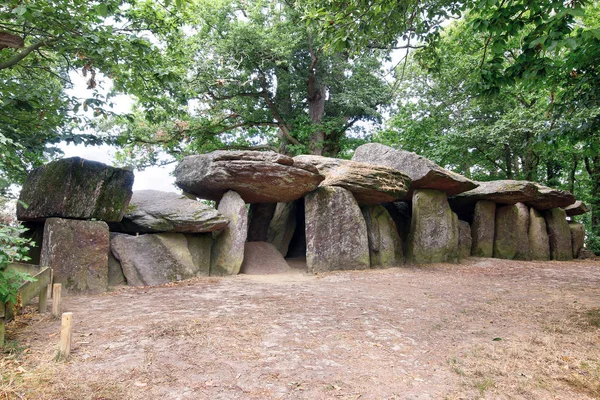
384, 208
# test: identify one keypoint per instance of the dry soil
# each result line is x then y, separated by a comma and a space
484, 329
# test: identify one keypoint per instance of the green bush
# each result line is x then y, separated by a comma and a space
13, 248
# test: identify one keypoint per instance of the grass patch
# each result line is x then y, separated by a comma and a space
593, 317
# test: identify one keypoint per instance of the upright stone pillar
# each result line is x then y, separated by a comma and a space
433, 234
559, 234
385, 246
77, 251
483, 229
336, 232
228, 248
506, 234
539, 244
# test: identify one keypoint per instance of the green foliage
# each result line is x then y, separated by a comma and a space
111, 38
254, 77
542, 128
13, 248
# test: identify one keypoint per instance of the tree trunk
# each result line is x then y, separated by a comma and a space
552, 173
283, 98
508, 161
572, 173
529, 160
316, 109
592, 165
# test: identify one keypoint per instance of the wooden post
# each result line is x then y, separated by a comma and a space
1, 332
66, 329
50, 284
56, 293
1, 324
43, 300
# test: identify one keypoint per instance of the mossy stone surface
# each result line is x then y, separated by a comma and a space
522, 227
539, 243
77, 251
506, 233
385, 245
282, 226
155, 211
154, 259
228, 246
559, 234
336, 231
200, 247
464, 239
433, 234
483, 229
75, 188
577, 237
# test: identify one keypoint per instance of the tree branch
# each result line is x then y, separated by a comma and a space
256, 148
19, 57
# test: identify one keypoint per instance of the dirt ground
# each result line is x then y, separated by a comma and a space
484, 329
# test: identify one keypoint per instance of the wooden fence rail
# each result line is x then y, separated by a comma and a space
28, 291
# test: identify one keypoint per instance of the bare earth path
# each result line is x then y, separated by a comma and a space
483, 329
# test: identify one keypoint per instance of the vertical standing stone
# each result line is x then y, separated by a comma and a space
505, 236
385, 246
482, 229
577, 237
433, 234
259, 217
228, 248
282, 226
539, 245
200, 245
336, 232
77, 251
559, 234
522, 228
115, 271
464, 239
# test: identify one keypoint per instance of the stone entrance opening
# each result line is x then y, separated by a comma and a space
296, 254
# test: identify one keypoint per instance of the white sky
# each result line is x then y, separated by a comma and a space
157, 178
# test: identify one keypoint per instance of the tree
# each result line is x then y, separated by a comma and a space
41, 42
257, 78
543, 129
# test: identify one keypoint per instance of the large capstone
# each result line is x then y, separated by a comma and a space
385, 245
369, 183
539, 244
75, 188
506, 235
522, 228
424, 173
336, 232
153, 211
154, 259
577, 237
282, 226
512, 192
228, 248
433, 234
483, 229
464, 239
559, 234
577, 208
258, 177
77, 251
